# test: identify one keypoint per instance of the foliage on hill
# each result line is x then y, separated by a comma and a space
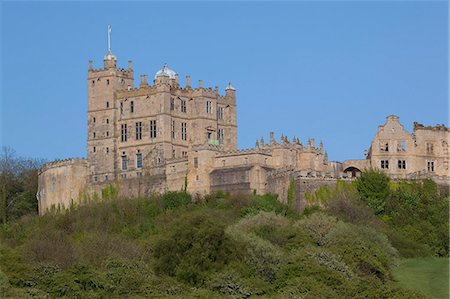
18, 185
413, 214
221, 246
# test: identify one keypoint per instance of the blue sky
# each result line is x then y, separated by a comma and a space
328, 70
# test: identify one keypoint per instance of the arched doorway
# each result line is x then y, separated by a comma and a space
352, 171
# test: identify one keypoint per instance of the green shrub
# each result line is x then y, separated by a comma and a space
373, 187
173, 200
265, 203
362, 248
317, 226
192, 245
126, 277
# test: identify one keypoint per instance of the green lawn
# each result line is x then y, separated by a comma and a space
427, 275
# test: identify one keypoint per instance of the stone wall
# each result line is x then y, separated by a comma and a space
233, 180
61, 183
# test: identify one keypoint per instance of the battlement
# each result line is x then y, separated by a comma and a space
439, 127
60, 163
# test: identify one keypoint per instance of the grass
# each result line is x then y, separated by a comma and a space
427, 275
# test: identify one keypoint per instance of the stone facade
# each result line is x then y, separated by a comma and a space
164, 137
403, 155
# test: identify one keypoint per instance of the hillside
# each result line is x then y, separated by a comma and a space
347, 244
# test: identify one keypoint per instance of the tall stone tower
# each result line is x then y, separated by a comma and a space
102, 115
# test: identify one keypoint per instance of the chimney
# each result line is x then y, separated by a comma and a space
144, 80
130, 65
176, 78
272, 139
200, 83
188, 81
90, 65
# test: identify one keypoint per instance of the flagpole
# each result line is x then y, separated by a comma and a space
109, 38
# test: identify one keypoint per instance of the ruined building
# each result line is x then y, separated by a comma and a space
165, 137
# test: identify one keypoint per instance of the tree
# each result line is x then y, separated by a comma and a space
18, 185
373, 187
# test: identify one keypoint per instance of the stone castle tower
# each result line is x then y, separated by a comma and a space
132, 129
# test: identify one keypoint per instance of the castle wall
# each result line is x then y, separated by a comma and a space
61, 183
410, 155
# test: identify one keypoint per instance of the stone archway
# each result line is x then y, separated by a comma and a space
353, 171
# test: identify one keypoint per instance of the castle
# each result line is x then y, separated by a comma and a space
165, 137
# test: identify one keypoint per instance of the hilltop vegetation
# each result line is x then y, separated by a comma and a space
346, 244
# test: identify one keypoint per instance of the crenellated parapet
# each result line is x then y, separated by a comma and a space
439, 127
62, 163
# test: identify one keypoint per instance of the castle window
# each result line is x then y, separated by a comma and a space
386, 147
173, 153
429, 148
183, 106
139, 130
124, 163
132, 106
184, 131
172, 104
401, 147
124, 132
95, 179
107, 133
184, 154
106, 177
208, 107
121, 108
93, 82
93, 120
196, 162
401, 164
93, 135
94, 149
153, 129
107, 81
107, 150
430, 166
139, 160
107, 104
173, 129
384, 164
107, 120
220, 135
220, 113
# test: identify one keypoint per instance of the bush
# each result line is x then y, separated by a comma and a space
362, 248
373, 187
317, 226
192, 245
173, 200
266, 203
261, 255
347, 206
